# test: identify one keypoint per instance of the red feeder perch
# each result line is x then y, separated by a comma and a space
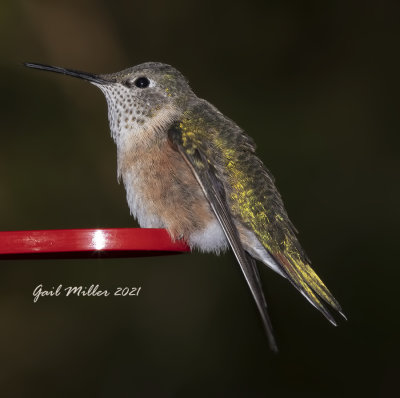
88, 243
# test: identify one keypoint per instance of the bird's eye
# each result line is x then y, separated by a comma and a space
142, 82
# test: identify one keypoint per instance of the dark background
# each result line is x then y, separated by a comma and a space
315, 84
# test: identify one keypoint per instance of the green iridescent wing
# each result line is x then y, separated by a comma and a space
215, 193
250, 194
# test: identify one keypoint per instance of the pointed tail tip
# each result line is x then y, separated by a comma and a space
271, 339
338, 308
332, 320
326, 314
343, 315
274, 347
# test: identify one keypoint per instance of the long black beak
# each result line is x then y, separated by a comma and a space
70, 72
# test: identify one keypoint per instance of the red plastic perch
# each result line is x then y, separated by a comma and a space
88, 243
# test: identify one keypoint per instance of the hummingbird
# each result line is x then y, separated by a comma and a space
188, 168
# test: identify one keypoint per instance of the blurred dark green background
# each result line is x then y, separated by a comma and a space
315, 84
